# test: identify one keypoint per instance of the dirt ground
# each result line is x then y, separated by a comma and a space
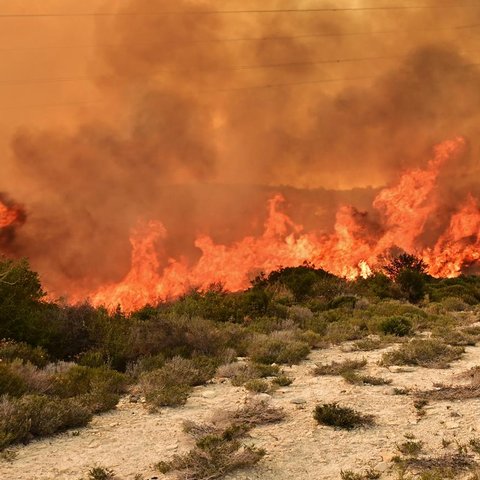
130, 440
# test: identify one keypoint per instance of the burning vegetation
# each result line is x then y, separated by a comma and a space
226, 150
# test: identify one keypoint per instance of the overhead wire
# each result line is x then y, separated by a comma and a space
244, 11
254, 39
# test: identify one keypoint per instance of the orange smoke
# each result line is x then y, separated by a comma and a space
355, 247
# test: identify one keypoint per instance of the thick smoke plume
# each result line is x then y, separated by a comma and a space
184, 120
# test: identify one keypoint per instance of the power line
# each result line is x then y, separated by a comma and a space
249, 39
227, 90
249, 11
206, 70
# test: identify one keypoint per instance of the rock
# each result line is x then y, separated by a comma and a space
134, 399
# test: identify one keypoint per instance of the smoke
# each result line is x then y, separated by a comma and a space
190, 105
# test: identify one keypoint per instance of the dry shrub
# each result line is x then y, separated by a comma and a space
340, 368
215, 459
36, 380
368, 344
332, 415
258, 386
38, 415
357, 379
171, 384
425, 353
455, 462
218, 449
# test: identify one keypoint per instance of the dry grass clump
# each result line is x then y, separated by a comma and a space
456, 462
411, 448
357, 379
370, 474
101, 473
332, 415
456, 392
340, 368
218, 449
425, 353
368, 344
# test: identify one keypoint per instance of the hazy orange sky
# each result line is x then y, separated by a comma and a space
40, 48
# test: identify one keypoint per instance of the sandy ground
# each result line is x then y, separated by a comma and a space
130, 440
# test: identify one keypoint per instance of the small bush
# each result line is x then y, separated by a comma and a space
100, 473
218, 450
51, 415
332, 415
368, 344
340, 368
10, 350
357, 379
279, 347
424, 353
282, 381
370, 474
411, 448
10, 382
397, 326
257, 386
37, 415
170, 385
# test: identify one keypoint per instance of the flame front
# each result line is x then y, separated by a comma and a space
354, 249
9, 216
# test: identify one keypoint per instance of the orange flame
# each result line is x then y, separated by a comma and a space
352, 250
9, 216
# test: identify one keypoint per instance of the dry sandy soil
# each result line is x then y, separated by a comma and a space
130, 440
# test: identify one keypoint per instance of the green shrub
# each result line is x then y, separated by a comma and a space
425, 353
171, 384
397, 326
10, 350
49, 415
80, 380
279, 347
10, 382
38, 415
257, 386
332, 415
167, 396
454, 304
282, 381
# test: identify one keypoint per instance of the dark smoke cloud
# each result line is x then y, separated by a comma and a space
177, 125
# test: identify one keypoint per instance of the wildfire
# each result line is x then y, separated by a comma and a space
353, 249
10, 215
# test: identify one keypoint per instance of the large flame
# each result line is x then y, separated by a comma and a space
354, 249
10, 215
